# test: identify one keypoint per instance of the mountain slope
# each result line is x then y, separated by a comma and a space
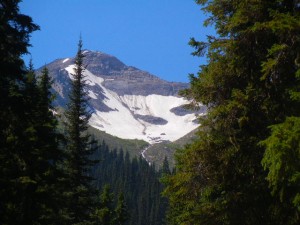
126, 102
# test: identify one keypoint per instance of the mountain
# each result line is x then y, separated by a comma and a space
126, 102
156, 153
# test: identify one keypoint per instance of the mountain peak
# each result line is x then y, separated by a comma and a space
127, 102
101, 63
95, 53
117, 76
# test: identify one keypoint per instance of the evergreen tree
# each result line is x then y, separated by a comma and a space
105, 212
49, 156
79, 147
250, 83
28, 155
41, 155
121, 211
165, 170
15, 31
281, 159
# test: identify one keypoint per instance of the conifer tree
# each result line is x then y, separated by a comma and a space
250, 83
29, 152
15, 31
121, 211
165, 170
40, 154
79, 147
49, 156
106, 210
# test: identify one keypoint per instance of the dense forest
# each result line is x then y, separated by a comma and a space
138, 182
242, 168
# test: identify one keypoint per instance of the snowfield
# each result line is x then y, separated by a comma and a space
65, 60
125, 121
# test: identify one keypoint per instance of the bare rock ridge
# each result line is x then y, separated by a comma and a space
120, 78
126, 80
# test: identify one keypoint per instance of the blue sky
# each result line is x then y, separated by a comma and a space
151, 35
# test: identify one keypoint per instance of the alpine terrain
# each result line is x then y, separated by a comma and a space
127, 102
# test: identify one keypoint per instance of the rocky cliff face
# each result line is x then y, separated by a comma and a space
127, 102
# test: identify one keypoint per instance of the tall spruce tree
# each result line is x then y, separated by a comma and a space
39, 196
49, 156
121, 211
250, 83
79, 147
15, 30
105, 213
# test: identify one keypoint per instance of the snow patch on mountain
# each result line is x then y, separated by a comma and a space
149, 118
65, 60
92, 94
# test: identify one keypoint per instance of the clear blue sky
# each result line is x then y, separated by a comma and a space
151, 35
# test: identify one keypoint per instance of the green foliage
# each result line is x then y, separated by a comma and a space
105, 212
165, 170
250, 83
121, 211
29, 143
81, 192
282, 158
137, 180
15, 30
